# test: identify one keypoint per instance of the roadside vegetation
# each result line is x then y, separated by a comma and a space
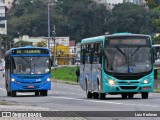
3, 102
66, 74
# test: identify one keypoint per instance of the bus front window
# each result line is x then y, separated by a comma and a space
30, 65
128, 59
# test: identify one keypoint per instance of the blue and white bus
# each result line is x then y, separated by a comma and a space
28, 69
120, 63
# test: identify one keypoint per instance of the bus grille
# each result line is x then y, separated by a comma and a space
26, 87
128, 87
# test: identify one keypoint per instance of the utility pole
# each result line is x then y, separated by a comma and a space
49, 24
54, 39
54, 58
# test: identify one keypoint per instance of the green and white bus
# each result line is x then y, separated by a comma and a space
120, 63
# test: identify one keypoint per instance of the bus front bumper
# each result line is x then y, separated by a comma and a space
15, 86
107, 88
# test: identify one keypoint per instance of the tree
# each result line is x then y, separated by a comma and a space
156, 39
41, 44
28, 17
132, 18
83, 18
77, 19
153, 3
22, 43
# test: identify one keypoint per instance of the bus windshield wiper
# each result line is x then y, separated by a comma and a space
135, 51
121, 51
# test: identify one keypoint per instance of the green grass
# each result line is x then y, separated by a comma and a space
2, 102
64, 74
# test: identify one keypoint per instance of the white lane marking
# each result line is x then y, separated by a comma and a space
62, 92
97, 101
65, 87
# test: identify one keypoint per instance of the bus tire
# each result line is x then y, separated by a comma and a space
8, 93
130, 95
36, 93
95, 95
102, 96
88, 93
124, 95
44, 93
13, 93
144, 95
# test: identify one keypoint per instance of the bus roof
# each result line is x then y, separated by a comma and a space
101, 38
93, 39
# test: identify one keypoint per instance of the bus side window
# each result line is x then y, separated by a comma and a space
83, 54
97, 52
92, 55
87, 55
7, 62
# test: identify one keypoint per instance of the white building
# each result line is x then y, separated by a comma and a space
9, 3
111, 3
58, 40
3, 21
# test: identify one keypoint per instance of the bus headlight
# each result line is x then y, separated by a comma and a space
13, 80
111, 82
48, 79
145, 81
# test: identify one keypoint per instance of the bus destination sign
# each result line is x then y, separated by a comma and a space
30, 51
128, 41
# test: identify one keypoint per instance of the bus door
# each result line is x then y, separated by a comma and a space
87, 69
82, 68
95, 67
7, 71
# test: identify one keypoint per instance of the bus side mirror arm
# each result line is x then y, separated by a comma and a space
153, 51
84, 55
91, 56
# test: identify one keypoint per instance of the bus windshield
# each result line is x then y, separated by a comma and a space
30, 65
128, 59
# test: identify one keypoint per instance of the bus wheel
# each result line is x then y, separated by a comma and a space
13, 93
102, 96
95, 95
44, 93
8, 93
36, 93
124, 95
144, 95
130, 95
88, 93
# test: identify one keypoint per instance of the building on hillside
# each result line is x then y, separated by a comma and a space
72, 52
78, 51
65, 55
111, 3
33, 40
9, 4
62, 55
3, 21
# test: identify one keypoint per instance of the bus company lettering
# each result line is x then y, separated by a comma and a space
28, 51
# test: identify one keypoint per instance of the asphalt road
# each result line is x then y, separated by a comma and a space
66, 97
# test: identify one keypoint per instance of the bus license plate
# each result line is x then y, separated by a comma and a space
30, 86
